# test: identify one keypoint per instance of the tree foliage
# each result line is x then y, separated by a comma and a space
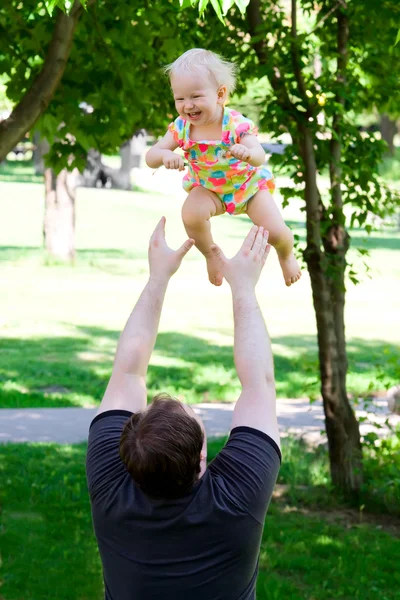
64, 5
221, 7
114, 70
323, 61
305, 89
38, 86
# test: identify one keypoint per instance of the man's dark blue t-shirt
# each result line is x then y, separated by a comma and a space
204, 546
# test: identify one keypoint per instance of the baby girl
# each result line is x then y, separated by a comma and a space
226, 171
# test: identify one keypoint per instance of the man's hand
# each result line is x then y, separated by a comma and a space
243, 270
163, 261
171, 160
240, 151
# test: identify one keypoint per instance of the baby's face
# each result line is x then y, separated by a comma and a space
197, 99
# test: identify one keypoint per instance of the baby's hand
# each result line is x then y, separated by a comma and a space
240, 151
171, 160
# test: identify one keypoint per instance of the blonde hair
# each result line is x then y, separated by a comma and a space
197, 59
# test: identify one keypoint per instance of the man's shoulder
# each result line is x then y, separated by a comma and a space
246, 469
243, 435
103, 462
110, 417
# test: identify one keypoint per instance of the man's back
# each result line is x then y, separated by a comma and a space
202, 546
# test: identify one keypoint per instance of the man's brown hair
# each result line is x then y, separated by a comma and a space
161, 448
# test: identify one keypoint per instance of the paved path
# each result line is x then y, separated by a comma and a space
70, 425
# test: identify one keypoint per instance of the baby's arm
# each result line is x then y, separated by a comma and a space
162, 153
249, 150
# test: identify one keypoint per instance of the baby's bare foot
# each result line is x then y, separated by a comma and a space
290, 269
214, 274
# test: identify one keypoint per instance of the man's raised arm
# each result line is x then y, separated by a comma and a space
127, 386
256, 406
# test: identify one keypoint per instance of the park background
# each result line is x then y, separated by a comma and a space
60, 323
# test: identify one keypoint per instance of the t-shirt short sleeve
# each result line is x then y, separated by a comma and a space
105, 470
243, 126
246, 469
177, 128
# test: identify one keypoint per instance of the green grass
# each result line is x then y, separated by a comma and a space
305, 475
310, 549
19, 171
390, 168
59, 325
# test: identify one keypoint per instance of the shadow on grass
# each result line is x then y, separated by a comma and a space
359, 238
63, 371
298, 546
74, 371
112, 261
17, 171
49, 548
18, 252
296, 361
47, 541
377, 242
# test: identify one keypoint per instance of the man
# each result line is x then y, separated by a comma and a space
169, 527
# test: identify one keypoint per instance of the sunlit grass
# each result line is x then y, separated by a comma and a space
59, 325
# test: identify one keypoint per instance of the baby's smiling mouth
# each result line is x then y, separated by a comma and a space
193, 115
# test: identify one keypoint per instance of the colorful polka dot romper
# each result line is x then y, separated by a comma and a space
233, 180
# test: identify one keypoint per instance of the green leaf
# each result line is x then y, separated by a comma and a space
242, 5
202, 6
398, 38
52, 4
49, 126
187, 3
217, 7
226, 5
64, 5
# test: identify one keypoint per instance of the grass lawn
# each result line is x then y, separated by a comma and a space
21, 171
312, 548
59, 325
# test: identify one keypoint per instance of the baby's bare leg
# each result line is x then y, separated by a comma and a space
263, 211
199, 207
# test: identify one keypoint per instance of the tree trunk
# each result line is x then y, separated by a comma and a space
40, 148
59, 216
340, 421
131, 155
124, 173
138, 146
388, 129
99, 175
341, 424
325, 265
327, 273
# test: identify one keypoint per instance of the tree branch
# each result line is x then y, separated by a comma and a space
254, 19
328, 14
38, 97
335, 170
294, 50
